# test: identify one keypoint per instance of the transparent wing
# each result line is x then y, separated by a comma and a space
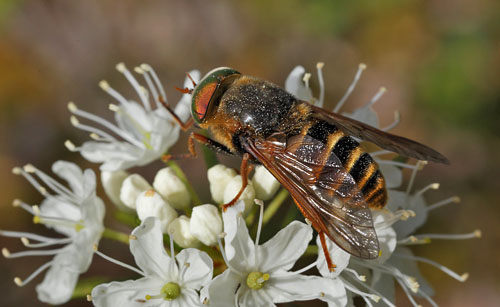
398, 144
324, 191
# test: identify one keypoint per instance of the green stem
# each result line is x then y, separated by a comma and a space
311, 250
274, 205
178, 171
128, 218
209, 155
115, 235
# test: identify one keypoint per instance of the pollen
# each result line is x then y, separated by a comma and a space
478, 233
37, 219
139, 70
18, 281
5, 252
29, 168
17, 170
149, 193
16, 203
72, 107
121, 67
104, 85
69, 145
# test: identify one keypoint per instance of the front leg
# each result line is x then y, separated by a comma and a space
218, 147
245, 169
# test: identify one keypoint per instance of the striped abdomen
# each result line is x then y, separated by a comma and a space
358, 163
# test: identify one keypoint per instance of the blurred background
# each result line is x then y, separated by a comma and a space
439, 60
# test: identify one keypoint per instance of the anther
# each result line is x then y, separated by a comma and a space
89, 298
132, 237
477, 233
16, 203
72, 107
320, 65
464, 277
121, 67
139, 70
95, 247
29, 168
69, 145
95, 136
25, 241
375, 298
42, 190
205, 301
104, 85
36, 209
308, 221
113, 107
5, 252
145, 67
322, 294
362, 66
258, 202
18, 281
222, 235
17, 170
149, 193
306, 78
37, 219
74, 121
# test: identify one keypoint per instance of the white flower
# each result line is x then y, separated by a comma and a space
219, 176
172, 188
131, 187
264, 183
149, 203
180, 230
145, 130
112, 183
232, 189
297, 83
258, 275
75, 212
166, 281
206, 224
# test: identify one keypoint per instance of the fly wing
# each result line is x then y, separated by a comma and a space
398, 144
323, 190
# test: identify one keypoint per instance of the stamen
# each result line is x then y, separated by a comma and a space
319, 68
124, 134
122, 264
150, 84
53, 184
433, 186
379, 153
408, 294
350, 88
413, 240
377, 96
472, 235
400, 164
16, 170
306, 268
58, 221
449, 272
27, 243
70, 146
363, 295
150, 69
7, 254
89, 298
20, 283
33, 182
32, 236
353, 272
369, 288
306, 78
137, 87
397, 119
427, 298
223, 253
420, 164
183, 270
18, 203
453, 199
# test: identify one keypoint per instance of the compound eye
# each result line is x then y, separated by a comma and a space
201, 100
209, 90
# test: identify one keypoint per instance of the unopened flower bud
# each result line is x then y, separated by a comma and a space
149, 203
132, 186
264, 183
172, 188
112, 183
219, 176
180, 232
206, 224
232, 189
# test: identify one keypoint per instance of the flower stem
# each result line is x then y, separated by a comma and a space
127, 218
86, 284
178, 171
312, 250
115, 235
274, 205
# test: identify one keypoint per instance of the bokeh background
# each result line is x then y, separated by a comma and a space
440, 61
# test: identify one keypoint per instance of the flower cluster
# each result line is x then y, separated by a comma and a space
212, 258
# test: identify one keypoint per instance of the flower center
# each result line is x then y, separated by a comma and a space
256, 280
170, 291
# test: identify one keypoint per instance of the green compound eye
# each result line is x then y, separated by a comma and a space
207, 89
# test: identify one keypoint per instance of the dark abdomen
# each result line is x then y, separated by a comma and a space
358, 163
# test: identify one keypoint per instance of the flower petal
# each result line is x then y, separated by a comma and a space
365, 115
128, 293
60, 280
285, 248
199, 270
59, 208
296, 287
71, 173
149, 253
295, 85
392, 174
339, 257
239, 246
222, 289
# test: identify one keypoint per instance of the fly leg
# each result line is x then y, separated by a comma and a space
245, 169
192, 152
184, 125
331, 266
